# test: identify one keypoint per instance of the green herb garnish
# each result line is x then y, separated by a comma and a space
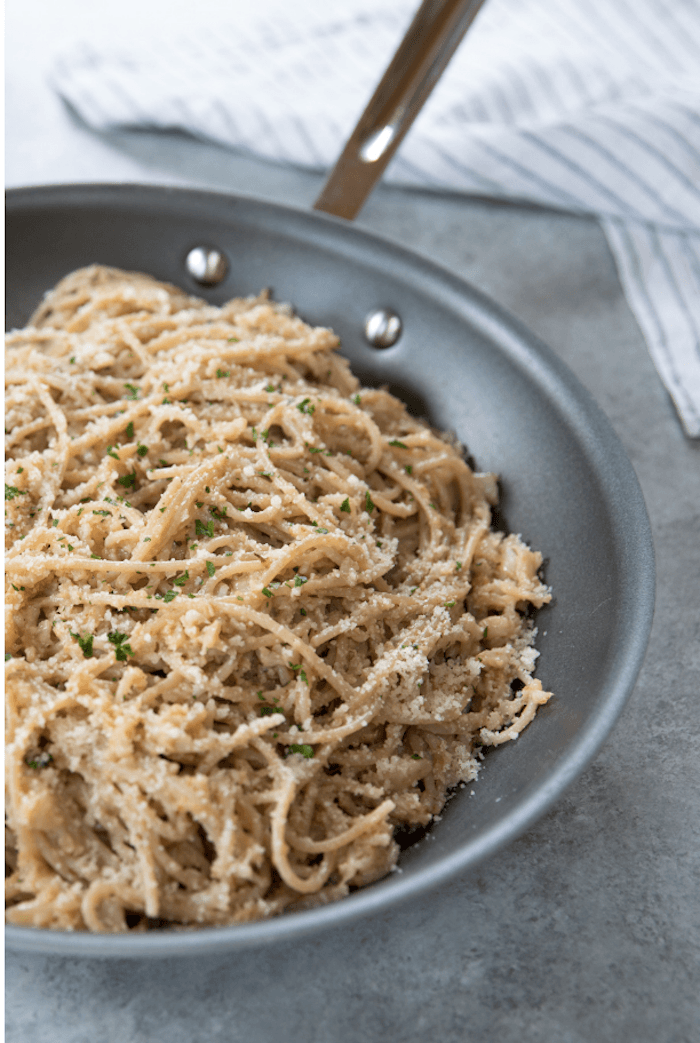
11, 491
204, 528
84, 643
211, 568
345, 505
42, 760
303, 748
369, 505
122, 648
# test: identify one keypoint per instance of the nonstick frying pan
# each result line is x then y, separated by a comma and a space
566, 483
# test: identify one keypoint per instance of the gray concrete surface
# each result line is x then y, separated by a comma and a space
587, 929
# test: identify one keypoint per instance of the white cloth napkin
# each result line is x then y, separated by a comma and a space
592, 108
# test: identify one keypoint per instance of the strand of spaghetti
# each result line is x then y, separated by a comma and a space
363, 825
278, 821
97, 892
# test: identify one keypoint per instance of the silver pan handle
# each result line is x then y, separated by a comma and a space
430, 41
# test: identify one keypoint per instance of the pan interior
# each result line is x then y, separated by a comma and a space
566, 484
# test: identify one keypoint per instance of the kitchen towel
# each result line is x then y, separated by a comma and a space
593, 108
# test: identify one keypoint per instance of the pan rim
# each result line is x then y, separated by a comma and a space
634, 554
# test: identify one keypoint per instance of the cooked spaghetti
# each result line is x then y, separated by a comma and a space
258, 617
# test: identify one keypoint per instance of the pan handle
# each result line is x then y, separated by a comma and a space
430, 41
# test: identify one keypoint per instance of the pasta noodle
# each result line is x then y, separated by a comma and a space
258, 616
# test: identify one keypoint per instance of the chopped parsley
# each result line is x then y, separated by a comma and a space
396, 442
266, 592
122, 648
221, 373
417, 757
486, 633
211, 568
449, 604
345, 505
458, 565
131, 391
408, 469
130, 429
41, 760
141, 449
369, 505
356, 400
110, 452
7, 656
303, 748
204, 528
169, 596
304, 406
218, 513
84, 643
11, 491
299, 581
127, 480
181, 580
105, 514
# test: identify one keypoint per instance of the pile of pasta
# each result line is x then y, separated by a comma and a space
258, 616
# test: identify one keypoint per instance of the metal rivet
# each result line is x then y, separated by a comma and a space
383, 328
206, 265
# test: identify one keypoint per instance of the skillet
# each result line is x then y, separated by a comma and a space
566, 483
461, 362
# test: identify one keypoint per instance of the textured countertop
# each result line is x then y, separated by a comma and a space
586, 929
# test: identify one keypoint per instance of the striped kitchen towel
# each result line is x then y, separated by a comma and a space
593, 108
